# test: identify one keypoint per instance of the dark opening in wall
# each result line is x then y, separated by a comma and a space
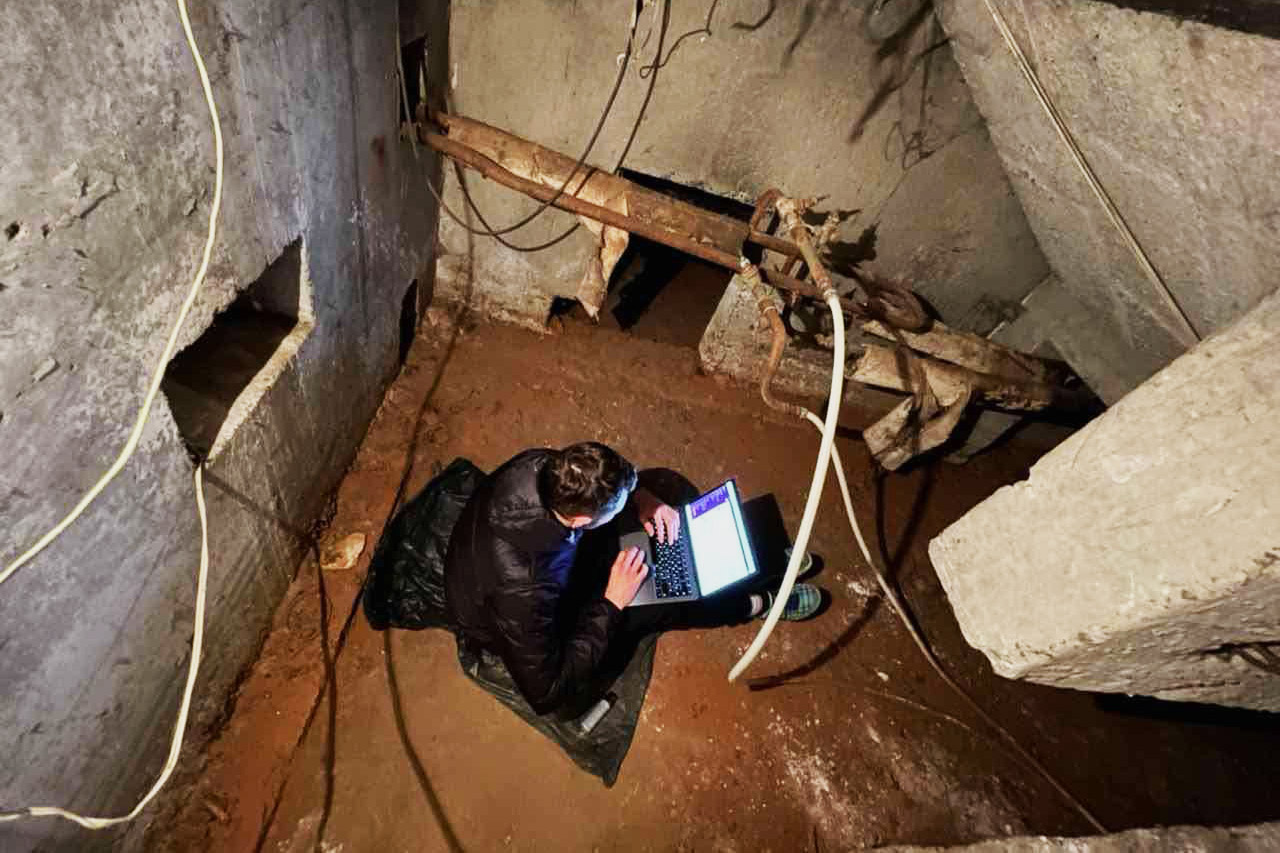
412, 55
663, 294
204, 380
408, 319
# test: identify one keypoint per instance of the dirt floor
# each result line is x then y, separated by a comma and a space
852, 742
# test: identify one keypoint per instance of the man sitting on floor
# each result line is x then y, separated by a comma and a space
534, 573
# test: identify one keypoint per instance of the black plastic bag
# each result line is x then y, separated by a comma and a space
405, 587
599, 751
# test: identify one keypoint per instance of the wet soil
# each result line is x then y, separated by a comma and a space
852, 741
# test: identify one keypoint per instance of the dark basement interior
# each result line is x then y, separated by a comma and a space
972, 304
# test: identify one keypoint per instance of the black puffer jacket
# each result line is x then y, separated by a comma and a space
506, 582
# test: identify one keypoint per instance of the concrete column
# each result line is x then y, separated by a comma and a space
1147, 543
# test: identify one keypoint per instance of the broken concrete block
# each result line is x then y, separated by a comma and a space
1144, 548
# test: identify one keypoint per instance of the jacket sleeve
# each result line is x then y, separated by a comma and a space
548, 664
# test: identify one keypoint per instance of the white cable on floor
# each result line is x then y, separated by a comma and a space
144, 412
815, 493
202, 576
179, 727
1113, 213
895, 602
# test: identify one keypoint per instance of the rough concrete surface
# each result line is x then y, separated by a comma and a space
1259, 838
1143, 544
1178, 121
808, 101
848, 738
105, 186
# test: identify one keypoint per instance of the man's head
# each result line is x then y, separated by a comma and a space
586, 484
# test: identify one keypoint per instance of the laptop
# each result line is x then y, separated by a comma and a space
712, 553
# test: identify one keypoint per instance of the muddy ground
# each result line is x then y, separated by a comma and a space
854, 743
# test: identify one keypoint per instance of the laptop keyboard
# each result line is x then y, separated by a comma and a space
672, 575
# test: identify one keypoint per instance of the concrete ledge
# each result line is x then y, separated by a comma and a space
1143, 543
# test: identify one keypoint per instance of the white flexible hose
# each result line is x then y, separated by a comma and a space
815, 494
179, 727
144, 413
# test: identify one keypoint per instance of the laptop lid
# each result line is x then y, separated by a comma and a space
721, 550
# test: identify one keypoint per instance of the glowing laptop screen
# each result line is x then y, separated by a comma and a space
717, 535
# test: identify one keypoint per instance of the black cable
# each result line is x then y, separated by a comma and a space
658, 61
595, 135
488, 230
653, 78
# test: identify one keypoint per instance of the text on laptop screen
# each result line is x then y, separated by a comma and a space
717, 536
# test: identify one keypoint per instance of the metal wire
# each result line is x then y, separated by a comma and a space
489, 231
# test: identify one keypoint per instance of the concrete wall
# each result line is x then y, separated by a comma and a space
1144, 546
820, 99
105, 184
1178, 120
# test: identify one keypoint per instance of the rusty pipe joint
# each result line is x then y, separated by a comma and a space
766, 297
767, 305
800, 233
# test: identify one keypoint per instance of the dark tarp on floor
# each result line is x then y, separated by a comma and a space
405, 589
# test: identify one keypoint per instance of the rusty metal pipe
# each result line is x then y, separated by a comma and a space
491, 170
768, 308
774, 243
764, 204
791, 210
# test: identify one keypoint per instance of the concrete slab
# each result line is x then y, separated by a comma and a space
1177, 120
1145, 543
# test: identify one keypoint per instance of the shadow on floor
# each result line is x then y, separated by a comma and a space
419, 770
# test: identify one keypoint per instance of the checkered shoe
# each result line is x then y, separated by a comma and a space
803, 603
806, 564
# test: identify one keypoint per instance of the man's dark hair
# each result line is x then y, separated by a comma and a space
582, 478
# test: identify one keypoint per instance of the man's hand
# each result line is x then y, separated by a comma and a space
660, 521
625, 577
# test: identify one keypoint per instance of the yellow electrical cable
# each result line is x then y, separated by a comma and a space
1190, 337
202, 577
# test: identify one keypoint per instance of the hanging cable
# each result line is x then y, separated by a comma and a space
488, 231
184, 709
767, 304
623, 63
144, 411
825, 449
202, 576
659, 62
1189, 334
926, 651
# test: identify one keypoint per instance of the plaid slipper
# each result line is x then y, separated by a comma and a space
806, 564
803, 603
